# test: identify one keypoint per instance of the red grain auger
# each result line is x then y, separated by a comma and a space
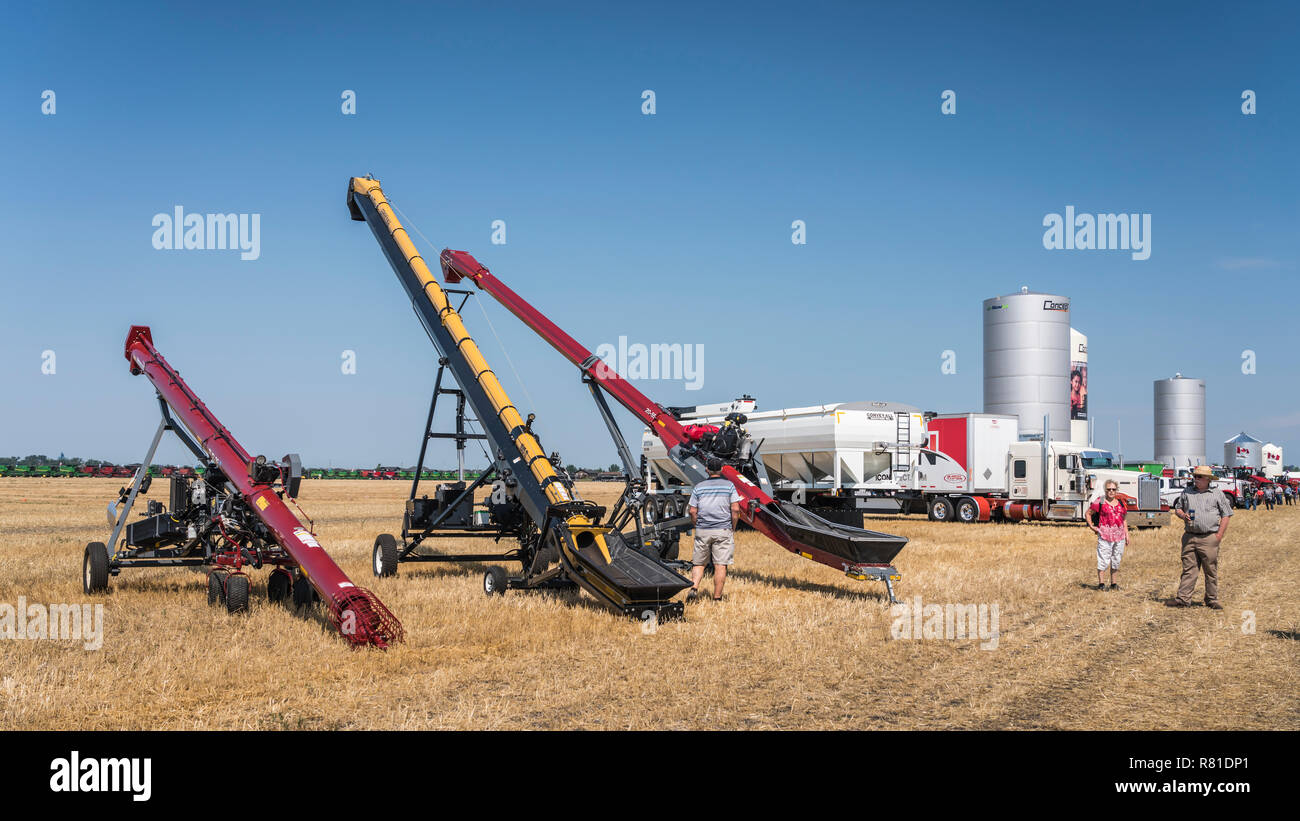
232, 517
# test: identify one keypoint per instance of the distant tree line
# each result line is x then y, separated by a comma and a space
41, 460
611, 469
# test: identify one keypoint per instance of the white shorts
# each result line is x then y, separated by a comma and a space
1109, 554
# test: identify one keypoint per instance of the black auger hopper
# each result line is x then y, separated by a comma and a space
631, 581
852, 544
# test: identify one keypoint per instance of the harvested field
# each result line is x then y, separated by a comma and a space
795, 646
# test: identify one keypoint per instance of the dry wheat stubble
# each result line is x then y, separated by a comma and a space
795, 645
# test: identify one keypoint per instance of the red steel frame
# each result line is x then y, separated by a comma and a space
356, 612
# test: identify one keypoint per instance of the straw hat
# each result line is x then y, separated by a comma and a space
1203, 470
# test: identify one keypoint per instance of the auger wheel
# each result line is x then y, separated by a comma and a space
216, 587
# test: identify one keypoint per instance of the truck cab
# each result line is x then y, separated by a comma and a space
1075, 477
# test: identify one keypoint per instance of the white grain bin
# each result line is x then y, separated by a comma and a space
1270, 460
1243, 451
1027, 360
1180, 421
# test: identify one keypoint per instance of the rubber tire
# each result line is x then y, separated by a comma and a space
967, 510
681, 503
279, 587
941, 509
216, 587
494, 581
237, 587
94, 568
383, 559
303, 593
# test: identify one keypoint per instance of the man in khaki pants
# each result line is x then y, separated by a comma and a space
714, 507
1205, 515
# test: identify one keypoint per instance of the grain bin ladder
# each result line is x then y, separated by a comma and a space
233, 516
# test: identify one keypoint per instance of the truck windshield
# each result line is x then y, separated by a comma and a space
1097, 459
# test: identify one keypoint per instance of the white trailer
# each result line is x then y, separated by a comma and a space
817, 448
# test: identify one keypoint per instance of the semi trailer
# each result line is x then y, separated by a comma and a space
844, 460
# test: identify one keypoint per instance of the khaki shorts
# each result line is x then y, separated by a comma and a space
715, 544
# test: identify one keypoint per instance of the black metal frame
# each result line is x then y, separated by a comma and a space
411, 539
121, 556
629, 509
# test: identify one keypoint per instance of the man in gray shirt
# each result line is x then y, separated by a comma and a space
714, 506
1205, 515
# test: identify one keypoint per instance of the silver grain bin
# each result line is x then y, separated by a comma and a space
1243, 451
1180, 421
1027, 360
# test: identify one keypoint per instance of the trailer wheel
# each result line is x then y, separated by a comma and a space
303, 593
494, 581
216, 586
94, 568
967, 510
941, 509
681, 507
384, 556
237, 593
279, 586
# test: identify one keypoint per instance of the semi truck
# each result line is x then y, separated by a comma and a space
843, 460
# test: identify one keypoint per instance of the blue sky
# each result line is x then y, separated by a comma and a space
671, 228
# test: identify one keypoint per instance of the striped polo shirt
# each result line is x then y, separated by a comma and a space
712, 500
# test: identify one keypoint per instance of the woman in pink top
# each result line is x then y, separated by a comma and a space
1109, 521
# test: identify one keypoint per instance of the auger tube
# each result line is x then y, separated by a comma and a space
356, 612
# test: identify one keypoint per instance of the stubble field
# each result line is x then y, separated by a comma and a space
796, 645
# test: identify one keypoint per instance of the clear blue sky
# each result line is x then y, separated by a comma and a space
670, 228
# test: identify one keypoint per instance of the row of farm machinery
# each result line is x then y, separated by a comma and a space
166, 471
232, 514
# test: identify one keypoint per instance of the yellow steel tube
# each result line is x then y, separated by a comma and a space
506, 412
